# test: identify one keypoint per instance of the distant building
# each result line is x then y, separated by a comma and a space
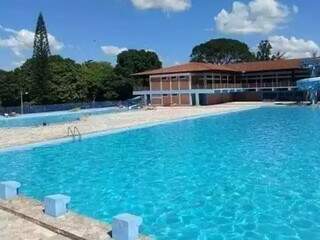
206, 84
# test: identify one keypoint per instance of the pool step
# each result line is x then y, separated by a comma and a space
74, 133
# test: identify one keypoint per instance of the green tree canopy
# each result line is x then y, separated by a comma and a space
66, 84
8, 89
11, 84
117, 87
102, 83
69, 82
222, 51
134, 61
94, 75
264, 51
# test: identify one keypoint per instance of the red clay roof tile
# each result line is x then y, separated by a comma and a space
285, 64
188, 68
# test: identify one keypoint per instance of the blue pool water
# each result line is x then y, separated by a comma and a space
36, 119
246, 175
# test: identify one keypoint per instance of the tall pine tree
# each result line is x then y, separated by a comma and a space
40, 62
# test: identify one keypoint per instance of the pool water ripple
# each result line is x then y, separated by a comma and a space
246, 175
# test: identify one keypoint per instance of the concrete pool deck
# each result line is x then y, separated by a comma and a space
16, 228
10, 137
23, 218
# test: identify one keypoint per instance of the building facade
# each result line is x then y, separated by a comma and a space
207, 84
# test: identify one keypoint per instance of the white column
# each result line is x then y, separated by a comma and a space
145, 99
197, 99
190, 87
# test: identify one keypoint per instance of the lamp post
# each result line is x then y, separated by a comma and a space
21, 100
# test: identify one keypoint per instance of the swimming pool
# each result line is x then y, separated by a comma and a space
37, 119
245, 175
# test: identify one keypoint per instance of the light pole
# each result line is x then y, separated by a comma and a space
21, 100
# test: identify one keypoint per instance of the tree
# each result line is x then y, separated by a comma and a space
40, 68
6, 89
102, 83
94, 74
69, 82
117, 87
66, 83
134, 61
278, 55
9, 89
264, 51
222, 51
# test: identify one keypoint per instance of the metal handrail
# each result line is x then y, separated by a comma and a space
74, 132
70, 132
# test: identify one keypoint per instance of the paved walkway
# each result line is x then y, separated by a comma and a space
15, 228
25, 219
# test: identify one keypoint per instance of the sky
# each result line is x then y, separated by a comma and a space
101, 29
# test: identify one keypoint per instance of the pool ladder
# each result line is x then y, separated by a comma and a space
74, 133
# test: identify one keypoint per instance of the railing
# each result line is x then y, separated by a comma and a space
263, 85
251, 85
141, 88
28, 108
74, 133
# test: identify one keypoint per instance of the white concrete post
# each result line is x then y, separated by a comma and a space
9, 190
56, 205
126, 227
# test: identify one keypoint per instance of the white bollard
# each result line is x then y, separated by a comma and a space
126, 227
56, 205
9, 189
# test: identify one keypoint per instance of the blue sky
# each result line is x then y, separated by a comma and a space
99, 29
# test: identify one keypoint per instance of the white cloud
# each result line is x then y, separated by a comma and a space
21, 40
112, 50
294, 47
258, 16
166, 5
150, 50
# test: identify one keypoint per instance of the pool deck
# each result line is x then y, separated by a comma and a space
11, 137
23, 218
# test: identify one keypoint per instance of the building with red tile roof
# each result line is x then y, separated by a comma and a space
204, 83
